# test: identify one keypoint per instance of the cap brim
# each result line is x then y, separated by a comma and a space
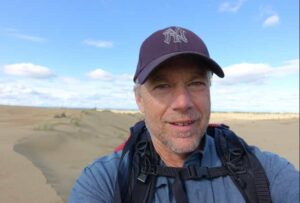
210, 64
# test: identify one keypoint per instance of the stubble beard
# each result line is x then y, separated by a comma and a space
172, 142
176, 147
172, 145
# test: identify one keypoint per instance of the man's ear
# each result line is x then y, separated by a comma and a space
139, 99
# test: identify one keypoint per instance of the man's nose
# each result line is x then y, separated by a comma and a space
182, 100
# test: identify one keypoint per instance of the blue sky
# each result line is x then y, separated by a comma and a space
84, 53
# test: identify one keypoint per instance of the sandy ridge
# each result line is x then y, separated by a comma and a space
43, 150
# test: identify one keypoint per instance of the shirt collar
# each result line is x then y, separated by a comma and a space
194, 158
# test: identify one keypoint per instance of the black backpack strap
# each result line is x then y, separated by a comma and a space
243, 166
180, 175
178, 186
123, 183
136, 183
143, 185
193, 172
144, 191
261, 181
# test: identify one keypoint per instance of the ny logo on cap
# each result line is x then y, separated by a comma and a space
177, 35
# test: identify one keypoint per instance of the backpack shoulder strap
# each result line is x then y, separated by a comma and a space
125, 166
243, 166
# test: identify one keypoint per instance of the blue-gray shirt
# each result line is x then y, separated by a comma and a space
97, 181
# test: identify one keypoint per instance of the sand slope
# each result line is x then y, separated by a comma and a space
42, 151
20, 180
62, 145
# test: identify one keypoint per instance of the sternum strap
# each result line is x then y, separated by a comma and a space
182, 174
188, 173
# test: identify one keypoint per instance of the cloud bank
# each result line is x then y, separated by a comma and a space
257, 73
250, 87
257, 88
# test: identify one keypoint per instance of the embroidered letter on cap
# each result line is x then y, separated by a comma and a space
177, 35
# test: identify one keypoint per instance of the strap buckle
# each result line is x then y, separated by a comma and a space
152, 170
196, 172
142, 177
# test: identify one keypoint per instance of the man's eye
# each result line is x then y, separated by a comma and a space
197, 83
162, 86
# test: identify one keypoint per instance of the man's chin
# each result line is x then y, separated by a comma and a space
183, 148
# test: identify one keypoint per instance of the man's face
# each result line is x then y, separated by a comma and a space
175, 101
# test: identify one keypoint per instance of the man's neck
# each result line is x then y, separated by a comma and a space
173, 160
169, 157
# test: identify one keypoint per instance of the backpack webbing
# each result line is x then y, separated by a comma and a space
137, 185
237, 157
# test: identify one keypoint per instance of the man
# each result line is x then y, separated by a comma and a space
173, 156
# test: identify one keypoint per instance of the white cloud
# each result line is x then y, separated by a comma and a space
271, 20
16, 34
254, 87
67, 93
69, 80
245, 73
231, 7
98, 43
125, 77
263, 98
258, 88
256, 73
29, 38
289, 67
27, 70
99, 74
269, 16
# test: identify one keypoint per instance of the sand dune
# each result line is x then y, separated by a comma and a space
43, 150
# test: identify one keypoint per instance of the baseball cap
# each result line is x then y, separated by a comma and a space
170, 42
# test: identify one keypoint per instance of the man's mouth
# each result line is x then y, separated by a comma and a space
182, 123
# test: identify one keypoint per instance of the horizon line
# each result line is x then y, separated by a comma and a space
137, 111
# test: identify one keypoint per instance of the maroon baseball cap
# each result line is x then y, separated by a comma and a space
170, 42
